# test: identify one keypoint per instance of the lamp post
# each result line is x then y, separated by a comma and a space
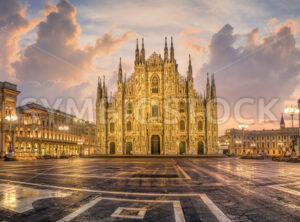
243, 127
10, 119
292, 111
63, 129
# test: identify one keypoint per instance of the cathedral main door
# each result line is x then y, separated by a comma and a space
128, 148
112, 148
155, 144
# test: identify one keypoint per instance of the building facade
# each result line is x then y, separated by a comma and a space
8, 101
34, 131
275, 142
156, 110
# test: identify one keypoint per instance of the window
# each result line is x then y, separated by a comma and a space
182, 125
155, 85
128, 126
200, 125
155, 111
129, 108
181, 107
112, 127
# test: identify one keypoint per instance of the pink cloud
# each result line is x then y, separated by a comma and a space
13, 24
268, 69
56, 55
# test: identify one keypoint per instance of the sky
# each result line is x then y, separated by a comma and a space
55, 50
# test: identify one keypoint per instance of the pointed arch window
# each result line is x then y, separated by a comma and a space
128, 126
182, 125
112, 127
200, 125
181, 107
154, 85
129, 108
155, 111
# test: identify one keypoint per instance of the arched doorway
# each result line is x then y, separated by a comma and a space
155, 144
200, 148
112, 148
182, 148
128, 148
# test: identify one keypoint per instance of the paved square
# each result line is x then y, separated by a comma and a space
154, 189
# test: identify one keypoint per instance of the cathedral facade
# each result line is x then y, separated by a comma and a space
156, 111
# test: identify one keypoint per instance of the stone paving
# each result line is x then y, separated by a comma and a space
155, 189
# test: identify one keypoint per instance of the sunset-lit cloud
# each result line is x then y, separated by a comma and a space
13, 24
268, 69
58, 48
56, 55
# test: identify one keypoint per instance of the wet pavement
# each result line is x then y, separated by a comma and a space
156, 189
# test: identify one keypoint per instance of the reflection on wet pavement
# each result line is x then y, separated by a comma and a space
19, 198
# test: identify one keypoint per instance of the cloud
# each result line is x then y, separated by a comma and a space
272, 20
56, 56
13, 24
191, 43
268, 69
189, 31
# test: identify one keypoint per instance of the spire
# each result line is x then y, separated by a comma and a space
143, 52
99, 89
166, 56
120, 72
172, 57
282, 123
190, 70
137, 54
104, 89
208, 89
213, 87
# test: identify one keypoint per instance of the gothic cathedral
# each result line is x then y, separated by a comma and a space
157, 111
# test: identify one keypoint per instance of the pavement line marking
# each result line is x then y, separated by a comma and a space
104, 191
178, 213
184, 173
179, 217
80, 210
284, 189
137, 200
93, 176
118, 211
214, 209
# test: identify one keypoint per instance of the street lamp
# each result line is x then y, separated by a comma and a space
10, 119
243, 127
65, 129
292, 111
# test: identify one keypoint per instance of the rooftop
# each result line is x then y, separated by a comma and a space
8, 85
